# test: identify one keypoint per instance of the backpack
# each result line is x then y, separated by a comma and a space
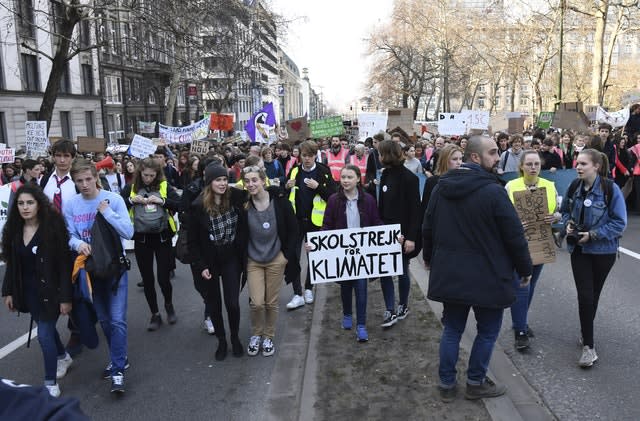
107, 261
149, 219
608, 189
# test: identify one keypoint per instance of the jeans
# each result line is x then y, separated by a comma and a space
111, 310
265, 281
360, 286
454, 318
589, 273
145, 251
51, 346
404, 283
524, 295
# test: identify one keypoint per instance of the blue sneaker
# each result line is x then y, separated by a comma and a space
347, 322
361, 333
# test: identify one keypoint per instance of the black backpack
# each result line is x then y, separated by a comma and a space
107, 261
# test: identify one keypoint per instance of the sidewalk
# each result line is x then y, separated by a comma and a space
394, 375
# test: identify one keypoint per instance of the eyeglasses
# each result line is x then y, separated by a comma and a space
253, 168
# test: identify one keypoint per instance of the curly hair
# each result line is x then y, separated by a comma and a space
152, 164
54, 230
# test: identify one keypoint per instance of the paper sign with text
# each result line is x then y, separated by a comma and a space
200, 147
451, 124
326, 127
475, 119
7, 155
142, 147
357, 253
36, 141
532, 208
370, 124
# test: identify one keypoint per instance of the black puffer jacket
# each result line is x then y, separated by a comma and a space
473, 240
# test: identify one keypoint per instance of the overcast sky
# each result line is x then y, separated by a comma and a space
327, 37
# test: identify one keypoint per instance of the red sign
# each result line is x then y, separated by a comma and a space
222, 122
192, 90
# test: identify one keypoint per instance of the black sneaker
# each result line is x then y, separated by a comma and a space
154, 323
117, 382
221, 352
389, 319
530, 332
171, 314
403, 312
236, 347
448, 394
522, 341
488, 389
106, 374
140, 284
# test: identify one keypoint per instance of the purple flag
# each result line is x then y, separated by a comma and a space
260, 126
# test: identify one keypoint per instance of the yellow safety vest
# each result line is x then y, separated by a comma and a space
163, 195
518, 185
319, 205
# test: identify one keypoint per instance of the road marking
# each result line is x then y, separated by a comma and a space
629, 253
17, 343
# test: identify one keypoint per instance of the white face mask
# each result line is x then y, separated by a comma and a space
579, 148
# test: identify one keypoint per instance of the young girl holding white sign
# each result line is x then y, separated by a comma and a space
351, 207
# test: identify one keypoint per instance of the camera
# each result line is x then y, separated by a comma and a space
573, 237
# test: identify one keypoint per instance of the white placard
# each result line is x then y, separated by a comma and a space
475, 119
451, 124
7, 155
615, 118
370, 124
196, 131
36, 141
358, 253
5, 194
142, 147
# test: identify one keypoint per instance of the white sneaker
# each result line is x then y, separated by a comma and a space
63, 366
254, 346
54, 390
267, 347
588, 357
308, 296
208, 326
296, 301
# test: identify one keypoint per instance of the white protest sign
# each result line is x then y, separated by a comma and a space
615, 118
195, 131
475, 119
36, 141
5, 194
451, 124
358, 253
7, 155
370, 124
142, 147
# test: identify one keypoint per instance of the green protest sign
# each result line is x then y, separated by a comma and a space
326, 127
544, 119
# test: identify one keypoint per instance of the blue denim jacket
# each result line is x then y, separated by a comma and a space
606, 224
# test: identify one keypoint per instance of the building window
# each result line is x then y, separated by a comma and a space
87, 79
30, 77
65, 124
482, 88
152, 98
85, 33
65, 82
32, 115
524, 101
3, 129
90, 123
481, 103
136, 90
1, 72
180, 97
113, 89
26, 19
496, 102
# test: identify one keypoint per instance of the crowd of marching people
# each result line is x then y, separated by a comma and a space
239, 216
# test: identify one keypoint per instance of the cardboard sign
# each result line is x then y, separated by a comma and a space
532, 207
7, 155
142, 147
200, 147
297, 130
358, 253
91, 144
326, 127
451, 124
36, 141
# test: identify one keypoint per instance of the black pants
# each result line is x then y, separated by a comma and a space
229, 271
204, 288
145, 247
305, 227
589, 273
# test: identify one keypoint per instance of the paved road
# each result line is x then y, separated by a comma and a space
174, 374
608, 391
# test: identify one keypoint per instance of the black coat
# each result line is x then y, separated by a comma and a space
473, 240
399, 201
53, 271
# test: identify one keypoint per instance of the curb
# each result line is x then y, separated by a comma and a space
522, 401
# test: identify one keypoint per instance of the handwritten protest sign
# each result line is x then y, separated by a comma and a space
370, 124
199, 147
7, 155
147, 126
36, 141
532, 207
297, 130
141, 147
451, 124
195, 131
340, 255
91, 144
476, 119
326, 127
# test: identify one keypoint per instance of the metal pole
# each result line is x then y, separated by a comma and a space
562, 7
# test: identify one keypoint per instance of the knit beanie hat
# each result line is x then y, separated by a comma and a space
214, 171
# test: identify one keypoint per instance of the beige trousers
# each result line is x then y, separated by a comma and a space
265, 281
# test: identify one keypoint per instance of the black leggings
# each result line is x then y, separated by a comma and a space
589, 273
229, 271
145, 248
203, 287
